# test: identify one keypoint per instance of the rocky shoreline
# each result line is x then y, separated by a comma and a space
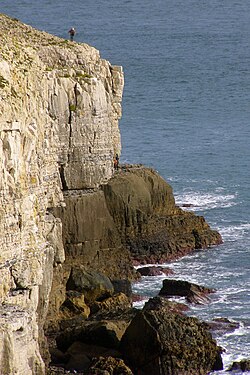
72, 227
97, 314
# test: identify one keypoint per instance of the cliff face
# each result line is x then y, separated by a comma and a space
59, 111
63, 210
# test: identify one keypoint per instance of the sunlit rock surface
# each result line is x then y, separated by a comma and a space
59, 111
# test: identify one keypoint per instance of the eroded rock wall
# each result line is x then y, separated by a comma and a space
59, 111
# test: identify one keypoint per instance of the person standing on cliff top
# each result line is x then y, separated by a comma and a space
116, 162
72, 33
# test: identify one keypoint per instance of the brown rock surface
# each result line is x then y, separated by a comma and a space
222, 325
153, 228
102, 329
161, 342
154, 271
59, 111
92, 284
115, 304
109, 366
91, 237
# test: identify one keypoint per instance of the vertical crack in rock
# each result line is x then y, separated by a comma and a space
62, 176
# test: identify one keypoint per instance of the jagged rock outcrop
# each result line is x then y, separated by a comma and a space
133, 216
59, 111
161, 341
153, 228
109, 366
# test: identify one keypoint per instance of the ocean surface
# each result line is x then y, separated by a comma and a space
186, 112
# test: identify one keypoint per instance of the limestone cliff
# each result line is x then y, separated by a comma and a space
59, 110
62, 206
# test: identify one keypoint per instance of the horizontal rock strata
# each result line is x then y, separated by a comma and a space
59, 110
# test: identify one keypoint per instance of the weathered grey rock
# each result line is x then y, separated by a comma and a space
94, 285
19, 349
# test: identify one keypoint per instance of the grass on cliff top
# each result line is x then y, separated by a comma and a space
17, 35
12, 27
22, 43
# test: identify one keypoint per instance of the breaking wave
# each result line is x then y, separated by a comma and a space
197, 201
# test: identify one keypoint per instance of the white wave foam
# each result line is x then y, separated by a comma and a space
205, 201
235, 290
241, 331
234, 232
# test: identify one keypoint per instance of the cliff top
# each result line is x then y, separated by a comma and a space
55, 52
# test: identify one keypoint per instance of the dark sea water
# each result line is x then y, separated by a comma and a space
186, 112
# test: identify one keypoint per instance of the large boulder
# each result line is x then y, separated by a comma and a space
105, 330
91, 283
122, 285
164, 304
109, 366
117, 303
74, 305
159, 341
154, 271
194, 293
243, 365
